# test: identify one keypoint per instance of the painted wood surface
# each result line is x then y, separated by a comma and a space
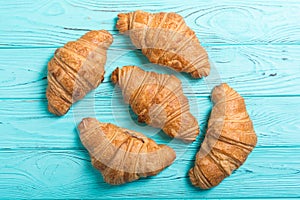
270, 70
254, 46
276, 121
51, 23
69, 174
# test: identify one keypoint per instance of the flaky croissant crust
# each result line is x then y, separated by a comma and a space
165, 39
76, 69
229, 139
122, 155
158, 100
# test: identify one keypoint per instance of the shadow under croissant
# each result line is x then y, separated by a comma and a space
140, 56
45, 81
204, 126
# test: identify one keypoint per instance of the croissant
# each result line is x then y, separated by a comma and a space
122, 155
229, 139
76, 69
158, 100
165, 39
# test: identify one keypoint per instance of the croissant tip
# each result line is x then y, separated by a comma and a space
115, 75
52, 110
196, 181
123, 22
191, 175
53, 105
84, 122
202, 72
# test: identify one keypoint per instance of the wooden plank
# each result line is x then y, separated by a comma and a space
68, 174
251, 70
27, 123
46, 23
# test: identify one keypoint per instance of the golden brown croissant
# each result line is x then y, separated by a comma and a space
158, 100
229, 139
76, 69
122, 155
165, 39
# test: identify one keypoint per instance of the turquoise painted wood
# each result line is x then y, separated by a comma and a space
267, 70
254, 46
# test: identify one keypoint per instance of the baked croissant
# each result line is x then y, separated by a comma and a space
76, 69
158, 100
229, 139
122, 155
165, 39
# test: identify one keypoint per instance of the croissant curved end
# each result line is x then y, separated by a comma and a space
123, 22
115, 76
195, 181
53, 101
199, 73
54, 111
219, 92
222, 86
85, 121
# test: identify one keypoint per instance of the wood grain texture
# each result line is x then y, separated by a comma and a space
68, 174
35, 127
47, 23
251, 70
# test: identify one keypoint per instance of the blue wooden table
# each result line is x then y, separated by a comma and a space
254, 46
